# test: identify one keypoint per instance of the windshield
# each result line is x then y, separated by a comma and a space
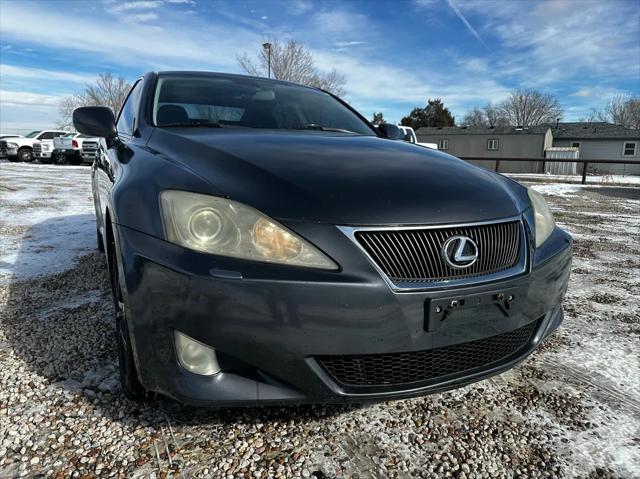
250, 103
33, 134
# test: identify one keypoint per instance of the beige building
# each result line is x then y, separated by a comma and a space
593, 141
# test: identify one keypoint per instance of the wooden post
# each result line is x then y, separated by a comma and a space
584, 172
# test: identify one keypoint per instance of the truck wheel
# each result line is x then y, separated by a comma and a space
25, 154
60, 159
75, 160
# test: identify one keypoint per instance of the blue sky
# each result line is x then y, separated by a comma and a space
394, 54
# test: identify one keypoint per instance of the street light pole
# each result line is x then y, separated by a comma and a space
267, 47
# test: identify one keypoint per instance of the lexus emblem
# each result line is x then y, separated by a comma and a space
459, 252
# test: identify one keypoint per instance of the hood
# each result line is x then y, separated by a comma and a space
341, 179
22, 141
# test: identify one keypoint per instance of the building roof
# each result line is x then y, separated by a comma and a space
566, 130
463, 130
593, 130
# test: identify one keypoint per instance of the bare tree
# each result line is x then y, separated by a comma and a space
292, 61
495, 116
475, 119
621, 110
489, 116
105, 91
530, 108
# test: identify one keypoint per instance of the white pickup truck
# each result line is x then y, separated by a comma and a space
37, 144
410, 136
70, 148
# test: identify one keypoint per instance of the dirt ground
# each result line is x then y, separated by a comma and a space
571, 410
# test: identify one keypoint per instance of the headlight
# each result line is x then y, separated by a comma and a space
227, 228
12, 146
543, 216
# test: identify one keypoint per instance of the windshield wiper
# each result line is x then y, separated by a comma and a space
315, 126
207, 124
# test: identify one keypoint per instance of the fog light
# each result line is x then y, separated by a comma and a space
195, 356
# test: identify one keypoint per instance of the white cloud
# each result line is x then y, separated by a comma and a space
340, 21
145, 47
554, 42
25, 98
299, 7
8, 72
140, 5
143, 17
370, 85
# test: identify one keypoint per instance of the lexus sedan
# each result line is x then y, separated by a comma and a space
266, 244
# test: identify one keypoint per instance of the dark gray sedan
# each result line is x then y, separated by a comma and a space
267, 245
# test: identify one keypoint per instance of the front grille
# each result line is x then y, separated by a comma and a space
415, 254
37, 149
89, 146
397, 369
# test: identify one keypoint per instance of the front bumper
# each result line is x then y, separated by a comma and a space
270, 324
6, 152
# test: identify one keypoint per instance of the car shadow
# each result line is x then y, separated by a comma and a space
61, 327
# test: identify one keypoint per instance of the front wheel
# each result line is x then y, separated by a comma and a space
25, 154
131, 386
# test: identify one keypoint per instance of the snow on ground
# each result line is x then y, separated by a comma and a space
47, 218
571, 410
619, 180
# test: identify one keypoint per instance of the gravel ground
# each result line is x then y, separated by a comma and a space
571, 410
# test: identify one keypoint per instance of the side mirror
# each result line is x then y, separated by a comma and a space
390, 131
95, 121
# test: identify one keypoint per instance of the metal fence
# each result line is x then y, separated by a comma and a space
585, 163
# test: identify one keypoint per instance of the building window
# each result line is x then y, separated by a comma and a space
630, 148
492, 145
443, 144
575, 144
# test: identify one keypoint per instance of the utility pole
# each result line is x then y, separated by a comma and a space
267, 47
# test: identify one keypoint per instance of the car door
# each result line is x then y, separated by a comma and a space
108, 166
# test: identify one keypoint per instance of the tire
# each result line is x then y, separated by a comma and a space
25, 154
75, 160
131, 386
99, 240
60, 159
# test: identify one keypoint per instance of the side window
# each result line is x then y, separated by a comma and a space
493, 145
443, 145
629, 148
127, 117
58, 134
47, 135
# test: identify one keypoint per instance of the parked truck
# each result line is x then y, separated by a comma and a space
37, 144
69, 148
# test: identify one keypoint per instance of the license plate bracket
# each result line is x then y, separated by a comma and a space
503, 302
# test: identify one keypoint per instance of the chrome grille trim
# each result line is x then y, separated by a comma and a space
421, 267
